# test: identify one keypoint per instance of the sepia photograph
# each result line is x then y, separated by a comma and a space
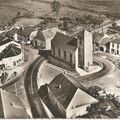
59, 59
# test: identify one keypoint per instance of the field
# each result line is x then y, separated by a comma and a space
38, 8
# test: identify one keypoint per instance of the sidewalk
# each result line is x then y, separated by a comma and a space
93, 69
75, 74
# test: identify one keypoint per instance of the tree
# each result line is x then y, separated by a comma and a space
56, 7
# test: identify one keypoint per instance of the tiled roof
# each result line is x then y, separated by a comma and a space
4, 40
69, 43
106, 40
10, 51
97, 37
11, 32
40, 35
63, 89
116, 40
13, 107
47, 33
63, 41
25, 31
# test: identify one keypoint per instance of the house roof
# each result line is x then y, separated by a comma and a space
10, 51
11, 32
4, 40
47, 33
40, 35
101, 38
97, 37
68, 94
63, 41
11, 106
106, 40
25, 31
62, 89
116, 40
81, 98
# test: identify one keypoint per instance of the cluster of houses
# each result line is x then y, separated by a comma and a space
11, 54
75, 50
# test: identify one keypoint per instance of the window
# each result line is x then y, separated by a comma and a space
59, 52
118, 52
112, 50
113, 45
117, 46
80, 41
53, 50
70, 58
65, 55
14, 63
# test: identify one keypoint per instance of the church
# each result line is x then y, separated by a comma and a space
74, 51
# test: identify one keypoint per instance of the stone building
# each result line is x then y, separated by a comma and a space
114, 46
44, 37
101, 42
24, 34
11, 56
74, 51
64, 99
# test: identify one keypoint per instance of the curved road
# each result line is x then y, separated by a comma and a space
78, 82
32, 89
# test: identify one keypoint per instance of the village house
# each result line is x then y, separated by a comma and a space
44, 37
106, 44
74, 51
101, 42
66, 99
11, 106
5, 41
12, 33
24, 34
114, 46
11, 56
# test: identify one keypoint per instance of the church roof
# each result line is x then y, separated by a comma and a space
63, 41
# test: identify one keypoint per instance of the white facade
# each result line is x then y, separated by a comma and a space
33, 34
83, 53
88, 49
114, 48
12, 61
79, 103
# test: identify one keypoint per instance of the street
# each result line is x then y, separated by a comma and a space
110, 81
16, 86
31, 89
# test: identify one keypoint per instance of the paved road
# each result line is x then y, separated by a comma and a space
32, 89
79, 82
